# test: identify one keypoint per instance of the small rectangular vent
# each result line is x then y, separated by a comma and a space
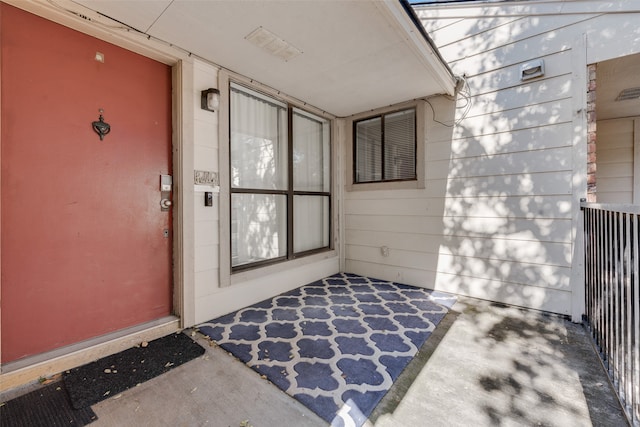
631, 93
273, 44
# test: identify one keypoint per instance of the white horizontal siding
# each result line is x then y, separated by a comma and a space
517, 140
449, 35
551, 253
535, 9
556, 64
612, 36
496, 216
553, 300
530, 116
539, 275
522, 95
614, 133
608, 185
512, 207
520, 184
525, 230
505, 52
499, 44
617, 156
615, 170
535, 161
443, 23
615, 161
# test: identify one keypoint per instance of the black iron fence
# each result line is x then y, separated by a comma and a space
612, 276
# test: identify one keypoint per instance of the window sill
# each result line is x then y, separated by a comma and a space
391, 185
245, 275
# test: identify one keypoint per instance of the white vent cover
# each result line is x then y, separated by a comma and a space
630, 93
273, 44
532, 69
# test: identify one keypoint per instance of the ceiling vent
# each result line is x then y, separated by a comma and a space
273, 44
631, 93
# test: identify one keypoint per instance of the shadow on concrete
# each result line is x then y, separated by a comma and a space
490, 365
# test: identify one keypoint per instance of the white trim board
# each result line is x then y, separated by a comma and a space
636, 162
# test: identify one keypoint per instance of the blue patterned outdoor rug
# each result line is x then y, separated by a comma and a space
336, 345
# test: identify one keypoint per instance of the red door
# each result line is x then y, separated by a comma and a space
86, 249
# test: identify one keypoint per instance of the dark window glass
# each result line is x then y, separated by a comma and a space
385, 147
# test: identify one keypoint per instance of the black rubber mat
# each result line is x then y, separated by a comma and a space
105, 378
48, 406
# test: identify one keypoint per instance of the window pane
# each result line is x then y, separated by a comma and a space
258, 142
310, 222
400, 145
258, 227
311, 158
368, 150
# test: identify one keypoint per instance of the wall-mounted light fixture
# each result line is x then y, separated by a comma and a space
100, 127
532, 69
210, 99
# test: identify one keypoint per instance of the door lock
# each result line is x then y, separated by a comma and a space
166, 183
166, 187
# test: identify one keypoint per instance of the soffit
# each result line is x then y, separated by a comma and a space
356, 55
612, 77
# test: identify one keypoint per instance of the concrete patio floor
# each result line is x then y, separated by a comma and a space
485, 365
492, 365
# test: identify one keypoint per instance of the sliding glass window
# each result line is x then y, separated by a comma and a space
280, 180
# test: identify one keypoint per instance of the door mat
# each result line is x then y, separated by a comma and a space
336, 345
48, 406
104, 378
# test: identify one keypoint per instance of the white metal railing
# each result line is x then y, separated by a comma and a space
612, 276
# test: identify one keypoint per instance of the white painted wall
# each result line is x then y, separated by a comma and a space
615, 160
205, 158
500, 212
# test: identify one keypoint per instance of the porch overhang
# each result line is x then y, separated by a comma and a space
352, 56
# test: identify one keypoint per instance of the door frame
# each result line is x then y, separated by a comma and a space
43, 365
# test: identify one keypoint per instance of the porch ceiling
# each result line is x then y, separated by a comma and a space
614, 76
356, 55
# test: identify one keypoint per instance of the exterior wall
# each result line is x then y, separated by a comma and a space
407, 221
205, 158
616, 160
499, 216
